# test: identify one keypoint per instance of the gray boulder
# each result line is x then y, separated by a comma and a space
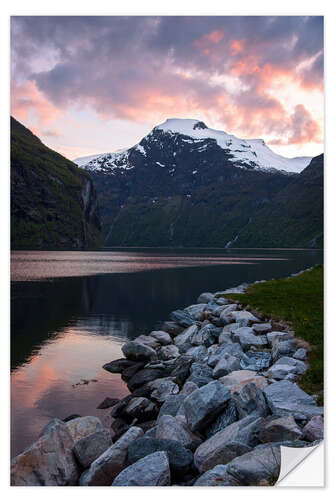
171, 405
185, 337
203, 405
301, 354
147, 340
118, 365
205, 297
196, 311
197, 353
47, 462
260, 328
140, 408
138, 352
162, 337
273, 337
226, 364
144, 376
87, 449
280, 429
169, 427
206, 336
314, 429
244, 318
172, 328
180, 458
227, 417
106, 467
250, 399
246, 337
233, 441
169, 352
225, 316
282, 348
183, 318
286, 398
285, 366
201, 374
218, 352
181, 370
162, 388
152, 470
83, 426
256, 360
259, 466
218, 476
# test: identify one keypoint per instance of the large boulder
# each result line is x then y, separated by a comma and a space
225, 316
205, 297
217, 352
281, 348
227, 417
185, 337
180, 458
106, 467
163, 388
262, 464
183, 318
140, 408
204, 404
47, 462
285, 366
236, 380
172, 328
138, 352
247, 338
118, 365
280, 429
207, 335
197, 353
256, 360
129, 372
250, 399
162, 337
196, 311
218, 476
152, 470
83, 426
87, 449
201, 374
169, 352
244, 318
171, 405
147, 340
181, 370
169, 427
314, 429
285, 398
260, 328
233, 441
144, 376
273, 337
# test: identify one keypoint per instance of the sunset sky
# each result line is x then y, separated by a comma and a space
89, 85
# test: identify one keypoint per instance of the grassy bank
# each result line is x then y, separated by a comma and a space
299, 301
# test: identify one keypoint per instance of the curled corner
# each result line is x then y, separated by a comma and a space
302, 466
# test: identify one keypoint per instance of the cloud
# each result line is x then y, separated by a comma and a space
148, 68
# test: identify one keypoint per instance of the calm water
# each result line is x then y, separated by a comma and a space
72, 311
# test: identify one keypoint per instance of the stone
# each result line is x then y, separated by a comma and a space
87, 449
260, 328
225, 316
196, 311
314, 429
246, 337
169, 352
205, 297
204, 404
107, 466
280, 429
181, 370
227, 417
151, 432
226, 364
144, 376
256, 361
140, 408
235, 440
107, 403
172, 328
182, 318
128, 373
221, 301
286, 398
206, 336
118, 365
218, 352
282, 348
47, 462
186, 335
244, 318
224, 338
135, 351
180, 458
152, 470
147, 340
171, 405
236, 380
301, 354
162, 337
188, 388
250, 399
169, 427
201, 374
218, 476
119, 427
285, 366
231, 328
261, 464
83, 426
197, 353
163, 388
278, 336
119, 408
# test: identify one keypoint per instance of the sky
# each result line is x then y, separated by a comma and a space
89, 85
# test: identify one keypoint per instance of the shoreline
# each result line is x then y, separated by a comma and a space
210, 392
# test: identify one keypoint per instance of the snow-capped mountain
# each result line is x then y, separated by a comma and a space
83, 160
196, 136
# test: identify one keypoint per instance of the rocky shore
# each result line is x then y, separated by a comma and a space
214, 395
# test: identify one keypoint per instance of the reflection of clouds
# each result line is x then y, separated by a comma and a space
42, 389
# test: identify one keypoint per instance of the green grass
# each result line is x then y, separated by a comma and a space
299, 301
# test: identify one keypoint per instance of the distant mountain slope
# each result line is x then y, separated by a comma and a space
187, 185
294, 217
53, 202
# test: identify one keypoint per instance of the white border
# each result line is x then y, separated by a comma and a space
141, 7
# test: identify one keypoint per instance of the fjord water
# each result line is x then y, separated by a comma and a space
72, 311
